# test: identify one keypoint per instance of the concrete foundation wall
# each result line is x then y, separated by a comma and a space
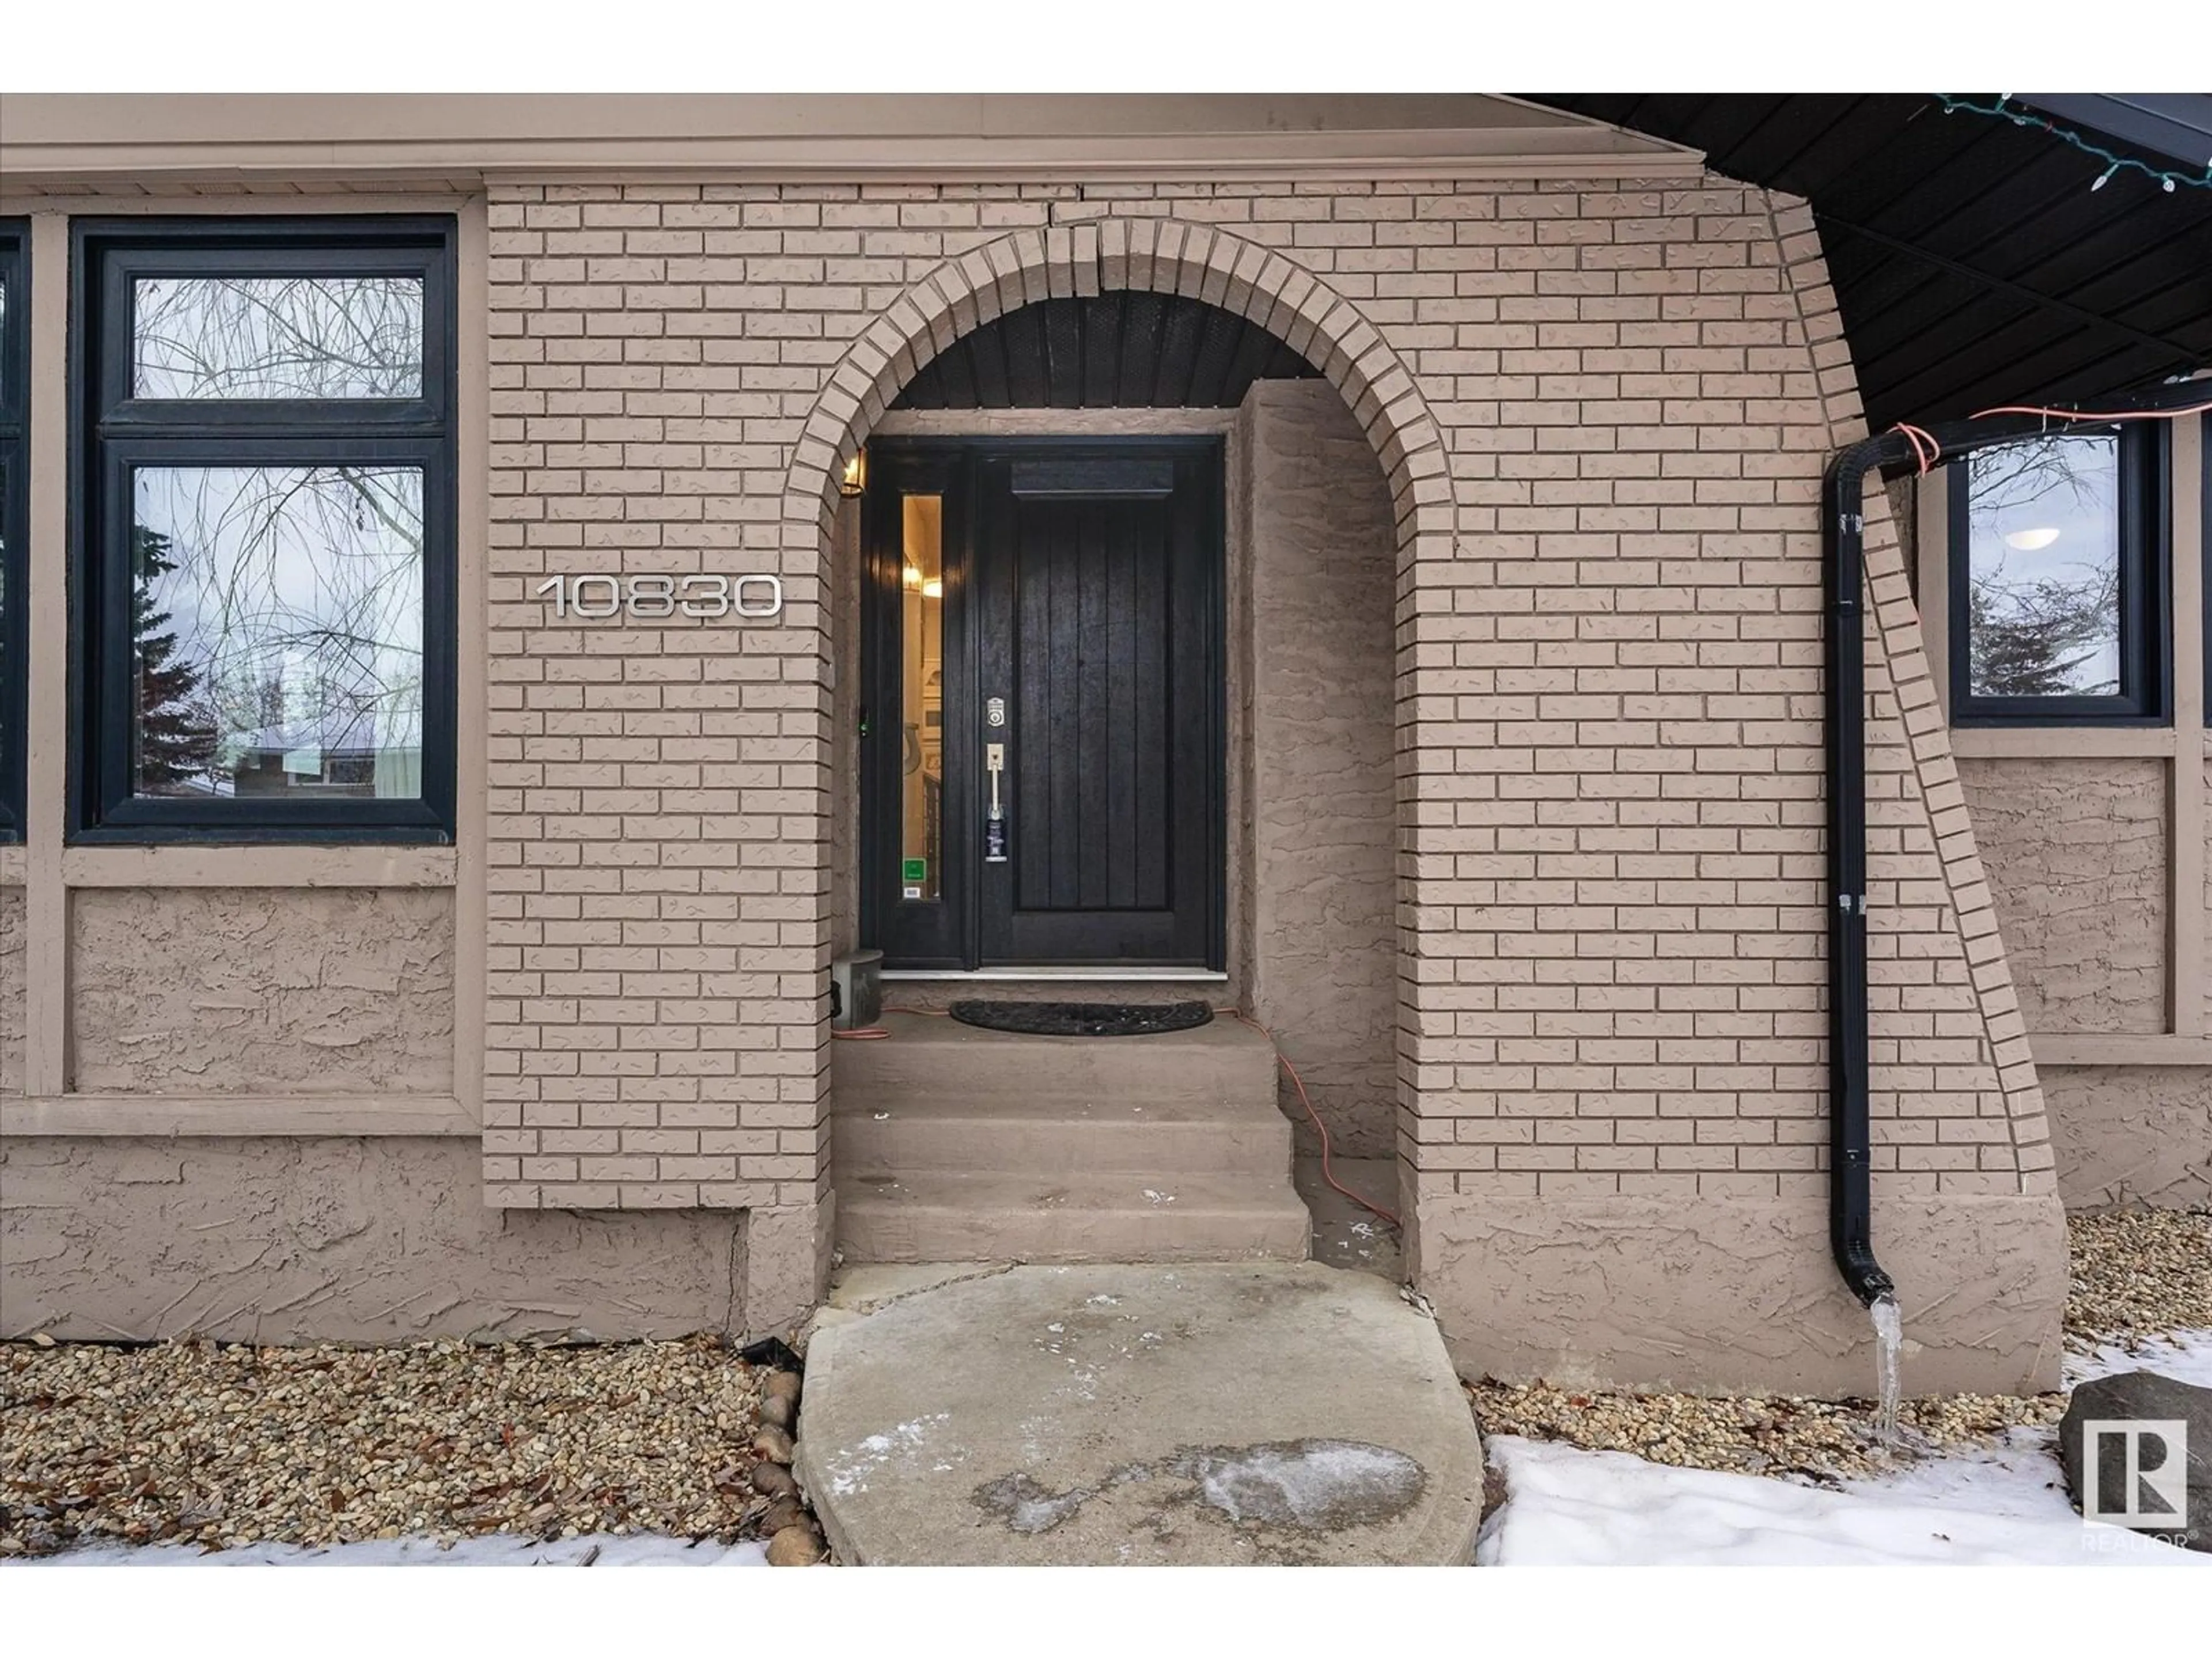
262, 991
1321, 889
367, 1240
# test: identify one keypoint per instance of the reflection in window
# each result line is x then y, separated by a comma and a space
921, 659
2044, 568
276, 336
276, 631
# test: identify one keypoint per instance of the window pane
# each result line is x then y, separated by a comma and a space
276, 336
921, 659
276, 631
2043, 577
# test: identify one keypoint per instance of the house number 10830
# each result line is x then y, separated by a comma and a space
649, 597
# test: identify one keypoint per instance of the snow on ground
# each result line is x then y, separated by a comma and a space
2003, 1504
490, 1550
2184, 1356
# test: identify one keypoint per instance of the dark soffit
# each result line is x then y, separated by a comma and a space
1126, 349
1972, 263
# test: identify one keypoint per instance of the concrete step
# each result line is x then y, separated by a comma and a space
1256, 1413
1230, 1137
1090, 1216
928, 1060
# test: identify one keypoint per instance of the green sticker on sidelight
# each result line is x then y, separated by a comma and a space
913, 870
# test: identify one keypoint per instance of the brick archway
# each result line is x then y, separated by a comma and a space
1270, 290
1167, 255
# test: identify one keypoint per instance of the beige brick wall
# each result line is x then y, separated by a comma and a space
1318, 714
1603, 414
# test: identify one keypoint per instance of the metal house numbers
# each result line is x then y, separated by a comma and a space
652, 597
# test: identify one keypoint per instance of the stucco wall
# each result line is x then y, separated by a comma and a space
362, 1240
2076, 855
1320, 697
262, 991
11, 990
2131, 1133
1738, 1295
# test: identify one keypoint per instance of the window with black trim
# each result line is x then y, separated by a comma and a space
15, 515
2060, 580
265, 524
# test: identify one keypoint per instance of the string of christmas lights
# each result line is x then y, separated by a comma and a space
2003, 111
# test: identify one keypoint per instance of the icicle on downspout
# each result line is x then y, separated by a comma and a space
1889, 1341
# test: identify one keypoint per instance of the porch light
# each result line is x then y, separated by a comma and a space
2030, 541
910, 576
855, 478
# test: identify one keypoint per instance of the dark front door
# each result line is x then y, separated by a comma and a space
1043, 784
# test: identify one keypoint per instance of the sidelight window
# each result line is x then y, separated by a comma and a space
267, 483
922, 660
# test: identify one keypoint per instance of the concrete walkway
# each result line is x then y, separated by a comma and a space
1282, 1413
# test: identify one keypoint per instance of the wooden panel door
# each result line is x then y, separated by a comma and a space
1096, 629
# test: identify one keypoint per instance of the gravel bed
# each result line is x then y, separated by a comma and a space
1751, 1434
2138, 1274
2134, 1273
226, 1445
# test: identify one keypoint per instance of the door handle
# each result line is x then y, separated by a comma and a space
994, 825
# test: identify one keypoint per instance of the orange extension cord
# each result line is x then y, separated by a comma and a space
876, 1034
1927, 452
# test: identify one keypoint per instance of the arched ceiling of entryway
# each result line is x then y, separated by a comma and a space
1165, 255
1128, 349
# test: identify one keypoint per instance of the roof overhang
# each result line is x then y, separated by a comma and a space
1975, 260
2177, 125
51, 142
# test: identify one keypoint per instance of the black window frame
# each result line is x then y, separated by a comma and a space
117, 432
15, 522
2145, 544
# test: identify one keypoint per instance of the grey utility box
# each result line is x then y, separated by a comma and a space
856, 989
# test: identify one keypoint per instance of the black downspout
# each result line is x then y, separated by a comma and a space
1843, 495
1851, 1187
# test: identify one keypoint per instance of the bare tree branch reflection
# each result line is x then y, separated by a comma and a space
278, 337
278, 610
2044, 626
297, 598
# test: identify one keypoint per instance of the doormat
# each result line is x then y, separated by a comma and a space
1082, 1018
